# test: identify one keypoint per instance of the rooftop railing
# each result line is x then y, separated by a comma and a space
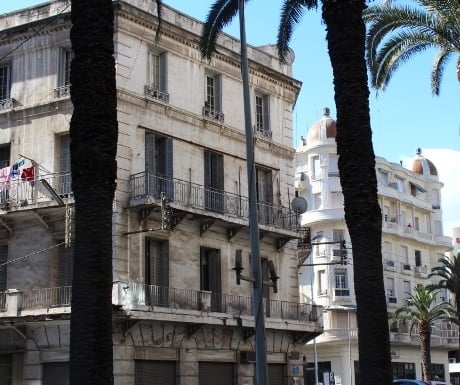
189, 194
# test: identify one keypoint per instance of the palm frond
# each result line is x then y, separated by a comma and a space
436, 23
221, 14
291, 13
396, 51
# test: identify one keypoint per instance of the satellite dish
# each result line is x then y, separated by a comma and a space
299, 205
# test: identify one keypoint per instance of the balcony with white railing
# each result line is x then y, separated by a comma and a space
142, 301
147, 188
160, 302
40, 191
51, 300
442, 334
421, 271
338, 334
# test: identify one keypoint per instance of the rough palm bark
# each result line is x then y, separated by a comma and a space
346, 45
425, 343
93, 135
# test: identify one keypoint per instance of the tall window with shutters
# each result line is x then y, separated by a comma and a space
213, 97
65, 180
157, 76
264, 193
210, 275
262, 115
159, 165
63, 79
157, 272
214, 181
5, 83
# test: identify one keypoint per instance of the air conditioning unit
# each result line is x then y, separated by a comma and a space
452, 360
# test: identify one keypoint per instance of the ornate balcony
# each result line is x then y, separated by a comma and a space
213, 114
153, 92
195, 306
147, 188
167, 303
62, 91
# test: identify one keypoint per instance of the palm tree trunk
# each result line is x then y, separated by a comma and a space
93, 135
425, 343
346, 35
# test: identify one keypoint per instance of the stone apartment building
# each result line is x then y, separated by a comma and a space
180, 212
412, 243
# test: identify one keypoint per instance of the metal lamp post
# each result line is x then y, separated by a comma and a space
259, 318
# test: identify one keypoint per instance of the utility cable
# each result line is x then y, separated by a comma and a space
32, 254
35, 33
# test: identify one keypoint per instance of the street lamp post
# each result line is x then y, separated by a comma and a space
259, 318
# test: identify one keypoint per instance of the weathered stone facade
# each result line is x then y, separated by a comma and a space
180, 212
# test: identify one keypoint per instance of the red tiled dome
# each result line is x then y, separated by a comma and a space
423, 166
323, 128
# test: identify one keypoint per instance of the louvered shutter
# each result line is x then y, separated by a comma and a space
212, 372
65, 181
150, 163
276, 374
164, 72
215, 279
169, 168
154, 372
218, 93
55, 373
266, 113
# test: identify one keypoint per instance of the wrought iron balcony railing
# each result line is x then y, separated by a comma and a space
189, 194
173, 298
62, 91
137, 294
153, 92
6, 104
42, 189
260, 131
212, 113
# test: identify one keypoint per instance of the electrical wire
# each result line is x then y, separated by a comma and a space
32, 254
35, 33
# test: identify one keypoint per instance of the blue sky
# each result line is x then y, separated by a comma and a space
403, 117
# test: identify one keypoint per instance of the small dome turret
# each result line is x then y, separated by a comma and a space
323, 129
422, 165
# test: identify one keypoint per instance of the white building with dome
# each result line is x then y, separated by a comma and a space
412, 243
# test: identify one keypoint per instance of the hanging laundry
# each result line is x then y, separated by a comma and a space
28, 173
15, 172
4, 178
